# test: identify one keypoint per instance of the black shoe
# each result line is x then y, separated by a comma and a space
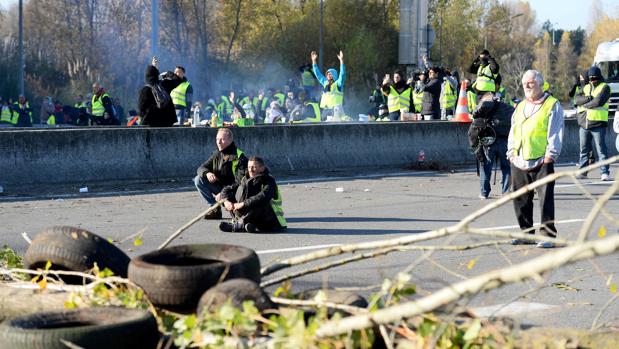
522, 242
250, 228
226, 226
215, 214
238, 227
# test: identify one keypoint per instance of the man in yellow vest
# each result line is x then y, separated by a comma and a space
332, 83
533, 146
6, 112
448, 97
399, 95
592, 104
255, 202
226, 166
182, 96
101, 103
308, 80
486, 69
22, 113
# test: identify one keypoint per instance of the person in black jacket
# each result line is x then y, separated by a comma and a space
254, 202
491, 120
430, 105
151, 113
226, 166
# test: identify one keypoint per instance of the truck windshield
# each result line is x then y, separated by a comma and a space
610, 70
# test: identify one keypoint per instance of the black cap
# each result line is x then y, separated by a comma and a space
485, 52
594, 73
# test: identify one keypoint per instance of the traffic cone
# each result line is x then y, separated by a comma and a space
462, 109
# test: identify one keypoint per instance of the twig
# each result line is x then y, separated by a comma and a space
586, 226
189, 224
529, 269
445, 269
385, 335
139, 233
311, 303
409, 239
604, 308
26, 237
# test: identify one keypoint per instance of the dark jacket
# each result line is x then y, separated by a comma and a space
494, 66
496, 114
587, 101
220, 164
430, 104
151, 114
256, 193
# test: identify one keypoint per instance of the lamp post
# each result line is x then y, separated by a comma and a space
495, 23
21, 87
321, 34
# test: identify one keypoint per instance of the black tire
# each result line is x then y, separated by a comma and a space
237, 291
176, 277
110, 327
70, 248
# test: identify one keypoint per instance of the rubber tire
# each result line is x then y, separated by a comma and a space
106, 327
179, 287
237, 291
75, 249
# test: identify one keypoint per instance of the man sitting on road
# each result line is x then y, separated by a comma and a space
254, 202
226, 166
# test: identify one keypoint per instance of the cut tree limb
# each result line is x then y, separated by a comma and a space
529, 269
189, 224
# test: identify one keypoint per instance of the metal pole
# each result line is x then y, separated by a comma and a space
21, 48
320, 45
155, 27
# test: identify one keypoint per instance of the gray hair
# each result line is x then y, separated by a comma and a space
536, 75
226, 131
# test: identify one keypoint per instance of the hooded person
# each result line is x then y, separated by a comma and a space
155, 104
332, 83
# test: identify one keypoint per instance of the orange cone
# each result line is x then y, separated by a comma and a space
462, 109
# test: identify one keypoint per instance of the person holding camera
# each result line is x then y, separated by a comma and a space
399, 95
486, 69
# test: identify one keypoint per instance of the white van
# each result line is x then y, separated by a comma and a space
607, 59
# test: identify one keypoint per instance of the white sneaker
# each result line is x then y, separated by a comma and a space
606, 177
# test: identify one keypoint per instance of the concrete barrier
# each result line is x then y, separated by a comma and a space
86, 155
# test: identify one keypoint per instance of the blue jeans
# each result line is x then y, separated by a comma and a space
598, 135
394, 116
497, 150
181, 116
207, 189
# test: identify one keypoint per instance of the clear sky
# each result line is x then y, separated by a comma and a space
564, 14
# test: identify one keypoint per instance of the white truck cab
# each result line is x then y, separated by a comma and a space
607, 59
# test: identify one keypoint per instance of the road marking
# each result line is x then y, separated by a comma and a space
511, 309
573, 185
317, 247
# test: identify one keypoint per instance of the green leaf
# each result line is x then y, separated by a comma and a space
473, 331
602, 232
137, 241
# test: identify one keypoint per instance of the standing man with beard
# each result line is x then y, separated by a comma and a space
399, 95
182, 96
226, 166
533, 146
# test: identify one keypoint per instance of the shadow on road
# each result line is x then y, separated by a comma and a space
329, 231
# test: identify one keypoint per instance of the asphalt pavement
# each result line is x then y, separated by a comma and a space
330, 210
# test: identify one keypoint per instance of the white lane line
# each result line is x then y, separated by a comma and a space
293, 249
585, 184
511, 309
317, 247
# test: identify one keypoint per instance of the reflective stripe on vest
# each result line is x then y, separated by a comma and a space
485, 79
417, 100
308, 79
235, 162
179, 94
97, 105
397, 101
448, 96
599, 113
5, 116
332, 97
276, 204
531, 134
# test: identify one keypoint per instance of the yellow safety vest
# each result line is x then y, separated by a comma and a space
448, 96
502, 91
179, 93
5, 116
576, 93
281, 98
316, 117
51, 120
397, 101
417, 100
472, 99
16, 114
599, 113
485, 79
531, 134
276, 204
235, 162
225, 107
332, 97
308, 79
97, 105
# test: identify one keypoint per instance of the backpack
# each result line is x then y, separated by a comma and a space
162, 97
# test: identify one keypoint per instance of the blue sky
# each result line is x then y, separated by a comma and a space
564, 14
